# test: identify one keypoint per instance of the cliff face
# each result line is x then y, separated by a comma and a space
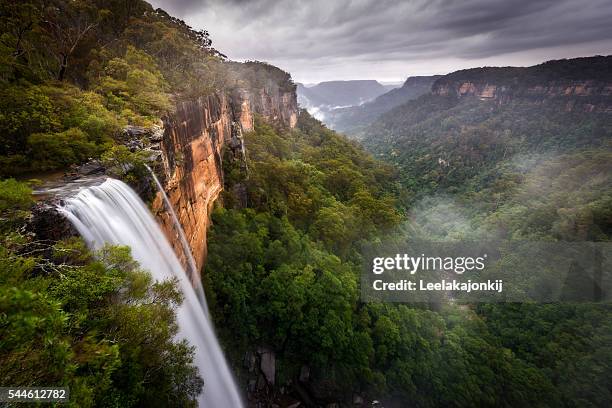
277, 106
192, 150
589, 96
583, 84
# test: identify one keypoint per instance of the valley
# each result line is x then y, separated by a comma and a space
198, 230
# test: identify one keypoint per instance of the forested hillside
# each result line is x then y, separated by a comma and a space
486, 151
353, 120
517, 154
284, 274
75, 73
511, 153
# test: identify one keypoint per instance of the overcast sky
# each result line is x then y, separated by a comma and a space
389, 40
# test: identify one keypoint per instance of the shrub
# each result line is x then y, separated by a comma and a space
58, 150
15, 196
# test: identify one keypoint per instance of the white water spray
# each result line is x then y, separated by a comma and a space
112, 213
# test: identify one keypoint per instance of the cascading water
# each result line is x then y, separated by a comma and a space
193, 271
112, 213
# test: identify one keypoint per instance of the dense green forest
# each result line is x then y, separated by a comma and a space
525, 170
285, 247
285, 273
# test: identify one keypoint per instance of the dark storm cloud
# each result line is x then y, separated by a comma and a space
394, 38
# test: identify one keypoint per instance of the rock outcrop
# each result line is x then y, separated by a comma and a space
194, 138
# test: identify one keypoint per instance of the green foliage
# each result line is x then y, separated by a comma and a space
53, 151
184, 55
446, 144
516, 170
85, 110
133, 82
92, 67
284, 273
95, 323
279, 272
15, 202
270, 284
573, 198
323, 183
14, 195
51, 127
570, 343
122, 163
96, 67
26, 109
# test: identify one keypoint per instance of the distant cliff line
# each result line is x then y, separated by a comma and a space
580, 83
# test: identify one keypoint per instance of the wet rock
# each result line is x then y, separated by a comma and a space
47, 223
252, 385
261, 382
135, 131
136, 137
134, 145
268, 364
90, 168
249, 361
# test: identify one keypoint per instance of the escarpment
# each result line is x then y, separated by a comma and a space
194, 138
565, 83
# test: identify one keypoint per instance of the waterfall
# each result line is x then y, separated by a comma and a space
193, 270
113, 213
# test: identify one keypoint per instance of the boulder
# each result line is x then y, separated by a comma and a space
157, 134
267, 364
134, 145
133, 132
47, 223
92, 167
249, 361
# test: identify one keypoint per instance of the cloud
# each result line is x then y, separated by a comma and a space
390, 39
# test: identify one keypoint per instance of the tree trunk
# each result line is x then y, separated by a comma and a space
63, 66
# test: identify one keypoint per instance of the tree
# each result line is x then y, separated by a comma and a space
66, 24
18, 21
